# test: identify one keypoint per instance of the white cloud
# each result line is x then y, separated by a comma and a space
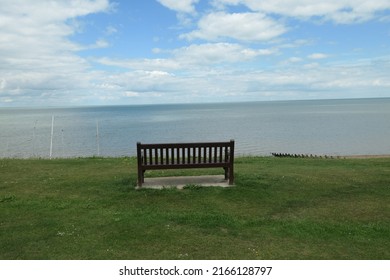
110, 30
141, 64
192, 57
131, 94
38, 59
213, 83
239, 26
217, 53
36, 54
340, 11
317, 56
182, 6
100, 43
51, 11
294, 59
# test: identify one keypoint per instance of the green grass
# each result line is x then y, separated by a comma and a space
281, 208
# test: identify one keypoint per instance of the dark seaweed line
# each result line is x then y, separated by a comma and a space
288, 155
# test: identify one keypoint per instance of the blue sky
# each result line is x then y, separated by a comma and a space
101, 52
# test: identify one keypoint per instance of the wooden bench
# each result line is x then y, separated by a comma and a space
186, 155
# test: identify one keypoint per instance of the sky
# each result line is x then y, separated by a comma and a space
124, 52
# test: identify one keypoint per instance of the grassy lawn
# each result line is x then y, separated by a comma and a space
281, 208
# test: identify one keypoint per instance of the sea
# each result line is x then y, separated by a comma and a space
344, 127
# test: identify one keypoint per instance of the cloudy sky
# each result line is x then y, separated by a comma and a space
101, 52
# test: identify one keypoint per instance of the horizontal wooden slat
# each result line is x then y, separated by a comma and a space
184, 145
182, 166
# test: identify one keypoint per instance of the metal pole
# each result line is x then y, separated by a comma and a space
35, 126
97, 138
62, 143
51, 138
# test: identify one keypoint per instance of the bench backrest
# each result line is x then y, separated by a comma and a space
185, 153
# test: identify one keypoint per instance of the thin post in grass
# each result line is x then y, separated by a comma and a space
62, 143
33, 138
97, 138
51, 138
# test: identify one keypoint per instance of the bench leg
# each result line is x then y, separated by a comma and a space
231, 176
226, 173
140, 178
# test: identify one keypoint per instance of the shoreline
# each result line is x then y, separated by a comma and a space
366, 156
353, 156
377, 156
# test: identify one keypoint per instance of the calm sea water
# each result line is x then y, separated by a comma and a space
325, 127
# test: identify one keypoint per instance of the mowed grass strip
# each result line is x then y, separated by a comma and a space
280, 208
